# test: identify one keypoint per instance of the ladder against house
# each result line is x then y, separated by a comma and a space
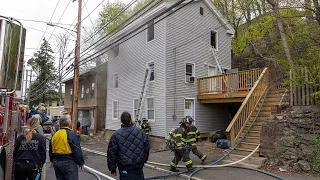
219, 65
248, 111
143, 93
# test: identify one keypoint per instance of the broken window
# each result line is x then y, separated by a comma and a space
214, 40
150, 31
201, 10
71, 93
82, 92
116, 51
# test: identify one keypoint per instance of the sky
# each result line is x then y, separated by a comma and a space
42, 10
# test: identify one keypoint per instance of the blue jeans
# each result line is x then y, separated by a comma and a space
65, 169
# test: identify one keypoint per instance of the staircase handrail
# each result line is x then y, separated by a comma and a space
248, 106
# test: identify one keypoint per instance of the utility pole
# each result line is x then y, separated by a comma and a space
76, 72
29, 89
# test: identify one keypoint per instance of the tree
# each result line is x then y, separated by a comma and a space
41, 90
62, 40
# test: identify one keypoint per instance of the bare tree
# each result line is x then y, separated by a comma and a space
62, 40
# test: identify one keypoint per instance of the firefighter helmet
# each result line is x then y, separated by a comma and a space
144, 119
190, 119
184, 121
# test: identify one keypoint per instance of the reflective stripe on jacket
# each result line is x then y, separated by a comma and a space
193, 135
180, 137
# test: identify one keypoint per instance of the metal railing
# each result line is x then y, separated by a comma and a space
248, 106
236, 82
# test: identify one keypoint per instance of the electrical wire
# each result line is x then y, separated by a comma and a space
38, 21
114, 18
47, 25
143, 28
85, 5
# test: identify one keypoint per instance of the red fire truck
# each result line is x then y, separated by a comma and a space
12, 40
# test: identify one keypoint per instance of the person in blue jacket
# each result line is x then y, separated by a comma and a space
41, 111
128, 150
65, 152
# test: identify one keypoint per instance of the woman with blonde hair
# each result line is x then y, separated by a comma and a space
29, 153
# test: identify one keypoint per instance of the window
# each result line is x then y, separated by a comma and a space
151, 65
150, 109
92, 86
71, 93
150, 31
82, 92
115, 81
116, 51
115, 110
135, 108
190, 73
201, 10
92, 90
214, 40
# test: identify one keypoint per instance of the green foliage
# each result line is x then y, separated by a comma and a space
42, 63
316, 161
111, 10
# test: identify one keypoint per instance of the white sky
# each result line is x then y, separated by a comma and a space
42, 10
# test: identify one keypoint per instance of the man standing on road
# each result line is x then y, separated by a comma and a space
65, 152
41, 111
128, 149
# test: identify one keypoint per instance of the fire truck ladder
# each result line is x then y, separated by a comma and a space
143, 93
225, 80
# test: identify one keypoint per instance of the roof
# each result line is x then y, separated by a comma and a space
156, 11
92, 70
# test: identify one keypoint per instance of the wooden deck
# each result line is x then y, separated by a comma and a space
227, 88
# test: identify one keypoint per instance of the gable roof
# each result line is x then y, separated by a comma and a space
156, 11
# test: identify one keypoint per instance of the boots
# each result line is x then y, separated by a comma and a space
189, 167
173, 169
203, 160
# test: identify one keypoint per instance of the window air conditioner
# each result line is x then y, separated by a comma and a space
190, 79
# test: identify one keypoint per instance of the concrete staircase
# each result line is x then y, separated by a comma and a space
274, 98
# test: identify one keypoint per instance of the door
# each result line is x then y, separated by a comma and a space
189, 108
212, 71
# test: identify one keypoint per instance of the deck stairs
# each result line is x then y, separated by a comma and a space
275, 97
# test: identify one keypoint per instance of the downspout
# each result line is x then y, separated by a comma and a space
174, 116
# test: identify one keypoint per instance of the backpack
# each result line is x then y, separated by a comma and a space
223, 143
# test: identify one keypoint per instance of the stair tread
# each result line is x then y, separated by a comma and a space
249, 143
248, 150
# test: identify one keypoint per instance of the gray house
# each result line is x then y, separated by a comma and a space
177, 49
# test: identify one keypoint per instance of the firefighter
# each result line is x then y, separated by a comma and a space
145, 126
180, 150
193, 138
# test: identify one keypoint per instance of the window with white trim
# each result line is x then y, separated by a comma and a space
151, 65
150, 31
214, 40
135, 108
115, 81
150, 109
82, 92
115, 110
190, 73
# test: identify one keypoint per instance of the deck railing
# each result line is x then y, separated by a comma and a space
248, 106
226, 83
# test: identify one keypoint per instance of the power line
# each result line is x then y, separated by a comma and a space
38, 21
47, 25
85, 5
143, 25
114, 18
59, 19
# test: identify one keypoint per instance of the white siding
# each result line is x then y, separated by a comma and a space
134, 55
188, 40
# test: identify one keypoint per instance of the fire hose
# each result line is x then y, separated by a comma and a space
212, 165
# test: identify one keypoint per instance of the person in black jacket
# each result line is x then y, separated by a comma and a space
29, 153
128, 149
65, 152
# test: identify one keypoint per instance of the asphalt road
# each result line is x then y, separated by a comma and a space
99, 163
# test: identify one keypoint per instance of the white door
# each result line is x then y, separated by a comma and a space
212, 71
189, 108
